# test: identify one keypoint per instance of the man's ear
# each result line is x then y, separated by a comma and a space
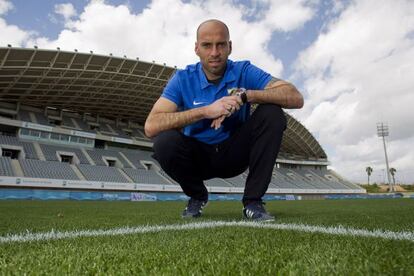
196, 48
230, 47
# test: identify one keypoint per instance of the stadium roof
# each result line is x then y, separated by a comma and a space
113, 87
117, 87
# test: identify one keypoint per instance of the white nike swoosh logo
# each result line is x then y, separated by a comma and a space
197, 103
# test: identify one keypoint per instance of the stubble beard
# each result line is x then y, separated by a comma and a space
215, 71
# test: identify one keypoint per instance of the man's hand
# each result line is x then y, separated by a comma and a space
223, 107
217, 122
228, 105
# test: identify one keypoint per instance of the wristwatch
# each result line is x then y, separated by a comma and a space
242, 94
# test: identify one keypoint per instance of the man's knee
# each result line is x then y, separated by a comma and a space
271, 115
166, 143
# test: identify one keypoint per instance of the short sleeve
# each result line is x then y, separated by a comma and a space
172, 91
256, 78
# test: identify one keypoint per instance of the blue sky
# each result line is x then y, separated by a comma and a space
34, 15
352, 60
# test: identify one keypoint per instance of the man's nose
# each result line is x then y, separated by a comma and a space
214, 51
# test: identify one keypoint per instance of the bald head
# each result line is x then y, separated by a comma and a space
213, 24
213, 46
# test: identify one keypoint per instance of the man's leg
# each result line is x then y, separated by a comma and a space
267, 125
254, 145
181, 158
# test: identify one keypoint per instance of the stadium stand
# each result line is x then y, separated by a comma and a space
319, 177
41, 119
135, 157
28, 148
119, 132
101, 173
281, 181
6, 167
99, 155
237, 181
138, 172
98, 96
47, 169
51, 153
83, 125
67, 122
166, 176
297, 179
24, 115
310, 179
333, 176
103, 128
217, 182
145, 176
139, 134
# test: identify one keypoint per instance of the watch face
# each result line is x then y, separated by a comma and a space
243, 96
241, 92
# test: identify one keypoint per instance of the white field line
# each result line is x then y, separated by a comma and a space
337, 230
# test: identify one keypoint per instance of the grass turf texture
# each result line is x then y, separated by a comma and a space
231, 250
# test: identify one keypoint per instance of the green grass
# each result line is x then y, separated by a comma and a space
228, 251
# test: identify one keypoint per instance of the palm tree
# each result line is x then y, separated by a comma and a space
392, 172
369, 171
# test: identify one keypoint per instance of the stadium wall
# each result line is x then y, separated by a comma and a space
27, 182
45, 194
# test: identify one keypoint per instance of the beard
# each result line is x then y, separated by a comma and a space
216, 69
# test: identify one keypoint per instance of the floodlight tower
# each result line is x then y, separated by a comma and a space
382, 131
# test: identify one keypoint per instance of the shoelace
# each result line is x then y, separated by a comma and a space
259, 206
194, 204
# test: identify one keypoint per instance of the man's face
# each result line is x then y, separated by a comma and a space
213, 47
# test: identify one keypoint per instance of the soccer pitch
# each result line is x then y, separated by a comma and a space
309, 237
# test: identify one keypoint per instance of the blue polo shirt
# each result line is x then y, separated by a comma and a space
189, 89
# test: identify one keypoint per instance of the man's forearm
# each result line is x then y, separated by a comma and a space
164, 121
282, 93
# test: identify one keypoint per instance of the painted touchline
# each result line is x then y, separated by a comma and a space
332, 230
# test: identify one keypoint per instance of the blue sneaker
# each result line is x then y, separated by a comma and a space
255, 211
194, 208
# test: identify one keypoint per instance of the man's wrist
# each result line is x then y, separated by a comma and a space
249, 96
242, 94
202, 111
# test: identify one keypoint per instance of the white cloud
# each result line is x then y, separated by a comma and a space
159, 33
10, 34
288, 15
67, 10
357, 73
5, 6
